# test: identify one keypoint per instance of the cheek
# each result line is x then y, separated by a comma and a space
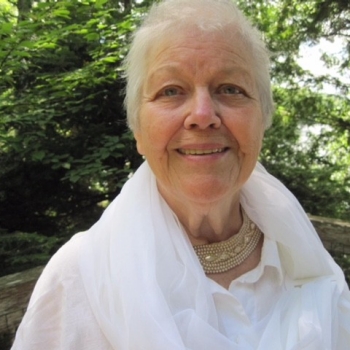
254, 141
151, 139
159, 128
249, 137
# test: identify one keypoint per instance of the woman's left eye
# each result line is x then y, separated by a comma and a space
230, 90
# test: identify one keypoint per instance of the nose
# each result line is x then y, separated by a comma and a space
203, 112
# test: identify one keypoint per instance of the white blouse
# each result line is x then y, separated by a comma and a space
62, 312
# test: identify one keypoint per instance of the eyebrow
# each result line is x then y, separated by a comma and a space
176, 68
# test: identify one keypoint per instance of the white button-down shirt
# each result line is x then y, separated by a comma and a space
251, 296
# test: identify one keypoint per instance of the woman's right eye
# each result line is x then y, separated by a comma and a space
171, 91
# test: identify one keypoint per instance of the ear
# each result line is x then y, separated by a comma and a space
139, 142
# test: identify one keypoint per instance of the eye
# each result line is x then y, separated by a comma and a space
170, 91
230, 90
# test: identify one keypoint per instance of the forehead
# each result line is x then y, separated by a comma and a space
200, 51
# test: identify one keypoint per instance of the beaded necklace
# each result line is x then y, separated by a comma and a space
223, 256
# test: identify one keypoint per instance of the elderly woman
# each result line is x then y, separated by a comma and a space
202, 249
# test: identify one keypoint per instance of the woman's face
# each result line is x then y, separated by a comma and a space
200, 125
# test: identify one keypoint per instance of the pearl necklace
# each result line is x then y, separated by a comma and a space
223, 256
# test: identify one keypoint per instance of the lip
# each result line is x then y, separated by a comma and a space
202, 149
195, 151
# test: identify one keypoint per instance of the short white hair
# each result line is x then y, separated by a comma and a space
171, 16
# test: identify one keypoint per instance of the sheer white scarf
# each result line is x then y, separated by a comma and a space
149, 292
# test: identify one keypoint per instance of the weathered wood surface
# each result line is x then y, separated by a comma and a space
335, 234
15, 291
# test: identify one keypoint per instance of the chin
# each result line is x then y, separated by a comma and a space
209, 192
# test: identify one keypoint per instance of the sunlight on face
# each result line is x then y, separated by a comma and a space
201, 125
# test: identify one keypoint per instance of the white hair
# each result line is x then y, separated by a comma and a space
170, 16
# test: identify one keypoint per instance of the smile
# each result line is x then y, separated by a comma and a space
200, 152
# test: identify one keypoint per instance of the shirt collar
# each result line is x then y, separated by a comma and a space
269, 258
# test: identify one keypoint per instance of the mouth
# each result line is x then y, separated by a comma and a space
201, 152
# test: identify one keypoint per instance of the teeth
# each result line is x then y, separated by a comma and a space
201, 151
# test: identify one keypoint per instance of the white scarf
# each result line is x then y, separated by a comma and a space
148, 290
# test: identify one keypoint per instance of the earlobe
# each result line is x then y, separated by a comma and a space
139, 149
139, 143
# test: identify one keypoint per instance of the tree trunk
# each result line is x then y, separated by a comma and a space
23, 7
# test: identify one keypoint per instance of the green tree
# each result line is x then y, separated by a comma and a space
65, 148
308, 145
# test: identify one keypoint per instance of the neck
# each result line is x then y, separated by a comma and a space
207, 222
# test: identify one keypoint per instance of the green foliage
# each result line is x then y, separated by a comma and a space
20, 251
65, 145
307, 147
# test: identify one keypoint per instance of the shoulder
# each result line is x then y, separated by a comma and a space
62, 269
60, 277
59, 314
65, 261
